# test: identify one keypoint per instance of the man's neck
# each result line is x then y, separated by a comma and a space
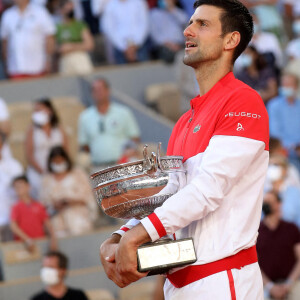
272, 221
23, 5
58, 290
26, 199
103, 107
291, 100
209, 73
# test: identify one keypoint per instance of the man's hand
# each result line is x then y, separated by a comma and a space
126, 254
278, 292
107, 256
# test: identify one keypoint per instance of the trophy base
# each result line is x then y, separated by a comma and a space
163, 255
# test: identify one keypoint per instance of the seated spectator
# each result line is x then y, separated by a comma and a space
74, 42
267, 14
4, 126
125, 24
104, 127
27, 40
53, 275
166, 25
284, 112
44, 134
278, 249
9, 169
280, 180
67, 191
29, 218
256, 74
267, 44
293, 47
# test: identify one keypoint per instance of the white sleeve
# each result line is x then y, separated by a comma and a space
4, 114
130, 224
97, 7
142, 30
224, 162
4, 31
47, 22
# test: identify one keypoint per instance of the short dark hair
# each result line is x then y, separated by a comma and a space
235, 17
54, 120
21, 178
63, 261
58, 151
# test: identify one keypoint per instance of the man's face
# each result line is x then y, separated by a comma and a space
53, 262
289, 81
100, 92
271, 200
204, 41
22, 188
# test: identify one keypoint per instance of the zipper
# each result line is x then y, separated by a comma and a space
186, 131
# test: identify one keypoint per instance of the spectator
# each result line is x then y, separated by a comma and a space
9, 169
293, 47
166, 25
267, 44
282, 182
268, 15
44, 134
74, 42
104, 127
125, 23
292, 7
256, 74
27, 39
74, 204
284, 112
29, 218
53, 274
278, 249
130, 152
4, 126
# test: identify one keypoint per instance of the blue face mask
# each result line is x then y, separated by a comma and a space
287, 92
245, 60
296, 28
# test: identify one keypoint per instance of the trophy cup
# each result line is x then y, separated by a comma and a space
134, 190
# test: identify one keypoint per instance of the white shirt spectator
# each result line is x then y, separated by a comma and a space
293, 49
126, 22
9, 169
167, 26
98, 6
4, 117
268, 42
25, 34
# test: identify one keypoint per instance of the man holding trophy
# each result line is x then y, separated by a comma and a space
217, 202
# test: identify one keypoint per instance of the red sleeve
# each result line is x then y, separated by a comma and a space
244, 115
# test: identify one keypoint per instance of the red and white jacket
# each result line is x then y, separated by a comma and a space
224, 140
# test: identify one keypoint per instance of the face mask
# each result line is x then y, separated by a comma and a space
59, 168
267, 209
245, 60
40, 118
287, 92
70, 14
296, 27
274, 173
49, 276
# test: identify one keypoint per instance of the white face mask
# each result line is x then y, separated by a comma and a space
274, 173
59, 168
40, 118
49, 276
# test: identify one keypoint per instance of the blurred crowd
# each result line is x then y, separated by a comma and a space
42, 37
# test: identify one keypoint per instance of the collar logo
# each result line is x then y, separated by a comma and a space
197, 128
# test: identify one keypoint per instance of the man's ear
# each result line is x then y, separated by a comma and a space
232, 40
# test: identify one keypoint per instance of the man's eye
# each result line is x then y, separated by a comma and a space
203, 24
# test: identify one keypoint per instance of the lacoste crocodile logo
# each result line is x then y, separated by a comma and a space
197, 128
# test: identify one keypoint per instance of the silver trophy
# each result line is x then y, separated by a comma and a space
134, 190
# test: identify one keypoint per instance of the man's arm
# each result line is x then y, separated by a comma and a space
52, 236
4, 54
29, 244
50, 47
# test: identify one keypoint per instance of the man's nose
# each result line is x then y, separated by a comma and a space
188, 31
